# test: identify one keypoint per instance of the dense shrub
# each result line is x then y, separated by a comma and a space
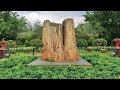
99, 40
25, 36
36, 43
82, 43
21, 37
90, 40
11, 43
19, 42
27, 43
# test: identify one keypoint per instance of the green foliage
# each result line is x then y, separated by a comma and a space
34, 34
103, 64
36, 43
109, 20
25, 36
11, 43
11, 63
90, 40
82, 43
11, 24
27, 43
36, 29
22, 37
102, 68
96, 41
86, 31
3, 39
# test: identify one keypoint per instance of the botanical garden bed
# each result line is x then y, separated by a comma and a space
104, 66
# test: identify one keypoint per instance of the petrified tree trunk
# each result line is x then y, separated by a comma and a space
52, 41
59, 43
70, 46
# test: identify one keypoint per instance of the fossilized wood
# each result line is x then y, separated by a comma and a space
59, 42
70, 46
52, 41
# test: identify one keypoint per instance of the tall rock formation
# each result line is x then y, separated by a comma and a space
59, 42
70, 45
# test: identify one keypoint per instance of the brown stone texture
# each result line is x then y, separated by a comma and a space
59, 42
70, 46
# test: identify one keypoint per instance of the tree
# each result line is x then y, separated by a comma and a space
110, 20
86, 31
34, 33
11, 24
21, 37
36, 29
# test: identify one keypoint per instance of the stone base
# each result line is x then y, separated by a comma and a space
79, 62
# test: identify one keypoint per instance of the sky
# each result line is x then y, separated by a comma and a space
53, 16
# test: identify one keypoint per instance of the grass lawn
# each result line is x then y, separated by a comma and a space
104, 66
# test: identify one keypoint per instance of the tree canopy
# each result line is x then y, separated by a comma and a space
109, 20
99, 24
11, 24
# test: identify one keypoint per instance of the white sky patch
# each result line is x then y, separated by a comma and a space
53, 16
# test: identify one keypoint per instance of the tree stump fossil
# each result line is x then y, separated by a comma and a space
59, 42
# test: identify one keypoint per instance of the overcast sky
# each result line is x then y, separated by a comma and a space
53, 16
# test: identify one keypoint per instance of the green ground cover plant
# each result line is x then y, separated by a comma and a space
104, 66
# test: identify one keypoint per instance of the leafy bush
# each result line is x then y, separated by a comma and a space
99, 40
90, 40
27, 43
82, 43
25, 36
36, 43
11, 43
21, 37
